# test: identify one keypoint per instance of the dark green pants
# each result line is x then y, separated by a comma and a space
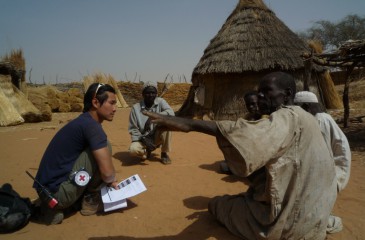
68, 192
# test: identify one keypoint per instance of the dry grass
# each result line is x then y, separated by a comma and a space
316, 46
16, 58
48, 98
53, 96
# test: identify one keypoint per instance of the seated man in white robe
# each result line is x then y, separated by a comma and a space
336, 142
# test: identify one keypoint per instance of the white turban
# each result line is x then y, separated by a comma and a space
149, 84
305, 97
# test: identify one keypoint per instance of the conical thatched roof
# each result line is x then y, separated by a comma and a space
252, 39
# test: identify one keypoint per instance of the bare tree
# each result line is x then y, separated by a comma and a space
166, 77
332, 34
30, 74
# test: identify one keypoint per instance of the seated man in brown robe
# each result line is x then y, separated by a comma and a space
293, 188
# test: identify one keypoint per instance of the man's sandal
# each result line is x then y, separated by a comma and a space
165, 160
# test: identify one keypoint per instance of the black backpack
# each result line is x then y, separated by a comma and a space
15, 211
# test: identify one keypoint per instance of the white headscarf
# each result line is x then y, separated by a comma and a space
305, 97
149, 84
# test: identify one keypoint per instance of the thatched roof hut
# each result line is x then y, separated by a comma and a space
15, 108
14, 65
251, 43
16, 74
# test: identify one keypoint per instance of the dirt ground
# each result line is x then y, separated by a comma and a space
175, 203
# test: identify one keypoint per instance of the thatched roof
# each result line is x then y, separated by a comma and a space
252, 39
8, 68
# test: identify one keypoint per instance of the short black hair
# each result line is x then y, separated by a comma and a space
287, 81
101, 94
283, 81
249, 94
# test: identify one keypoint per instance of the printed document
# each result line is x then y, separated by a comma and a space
114, 199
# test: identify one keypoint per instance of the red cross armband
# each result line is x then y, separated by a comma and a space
80, 178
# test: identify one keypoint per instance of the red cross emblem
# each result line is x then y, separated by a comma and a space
82, 178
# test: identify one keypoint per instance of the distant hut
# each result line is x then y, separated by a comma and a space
251, 43
14, 64
15, 108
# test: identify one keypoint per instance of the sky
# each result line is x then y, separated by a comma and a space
132, 40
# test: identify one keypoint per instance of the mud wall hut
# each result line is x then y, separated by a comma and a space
251, 43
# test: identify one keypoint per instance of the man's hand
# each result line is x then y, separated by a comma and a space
114, 185
148, 142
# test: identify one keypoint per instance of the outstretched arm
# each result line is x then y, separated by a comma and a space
183, 124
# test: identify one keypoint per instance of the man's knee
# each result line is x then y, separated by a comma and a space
68, 194
212, 205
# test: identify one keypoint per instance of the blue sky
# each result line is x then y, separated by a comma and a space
68, 39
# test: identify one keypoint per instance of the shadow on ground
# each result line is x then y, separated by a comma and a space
215, 167
204, 226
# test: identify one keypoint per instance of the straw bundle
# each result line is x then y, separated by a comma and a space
87, 81
74, 98
316, 46
58, 101
76, 103
64, 107
330, 97
8, 114
26, 109
120, 97
44, 95
76, 107
22, 105
76, 92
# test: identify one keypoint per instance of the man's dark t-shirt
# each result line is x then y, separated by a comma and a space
66, 146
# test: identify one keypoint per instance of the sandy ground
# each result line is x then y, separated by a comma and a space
175, 203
